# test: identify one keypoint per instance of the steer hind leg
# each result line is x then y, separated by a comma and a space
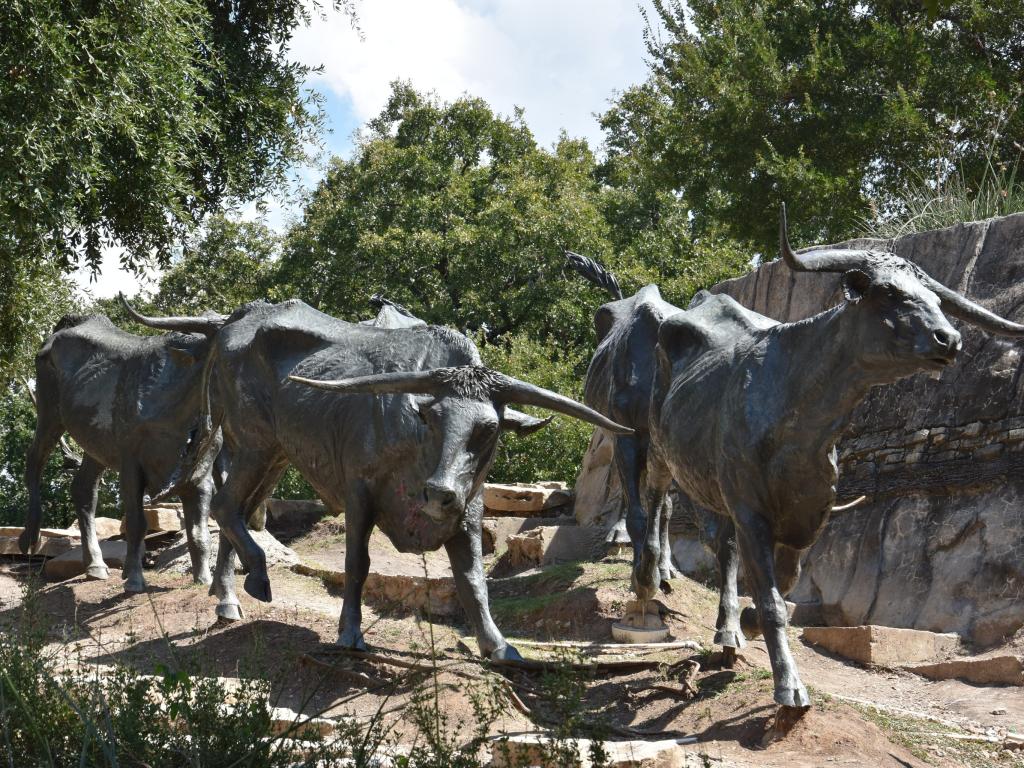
758, 551
223, 586
48, 432
630, 456
787, 572
254, 473
195, 503
667, 567
84, 492
727, 627
465, 553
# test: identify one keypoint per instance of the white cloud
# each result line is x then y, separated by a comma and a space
561, 61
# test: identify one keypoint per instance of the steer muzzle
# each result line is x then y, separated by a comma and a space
939, 346
440, 501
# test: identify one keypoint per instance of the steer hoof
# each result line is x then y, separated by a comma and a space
258, 586
228, 613
792, 696
506, 653
729, 638
135, 584
352, 640
750, 623
97, 572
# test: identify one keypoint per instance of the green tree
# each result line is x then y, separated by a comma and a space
232, 263
833, 107
126, 122
455, 212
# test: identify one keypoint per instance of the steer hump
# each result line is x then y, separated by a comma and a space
717, 322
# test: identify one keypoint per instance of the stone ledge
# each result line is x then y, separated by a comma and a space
1003, 669
886, 646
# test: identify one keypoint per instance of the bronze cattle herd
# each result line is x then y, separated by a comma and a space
396, 423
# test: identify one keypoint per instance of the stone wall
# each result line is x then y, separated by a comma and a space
939, 544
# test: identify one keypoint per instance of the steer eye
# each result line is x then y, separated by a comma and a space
483, 433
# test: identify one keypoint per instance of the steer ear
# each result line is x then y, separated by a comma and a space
522, 423
855, 284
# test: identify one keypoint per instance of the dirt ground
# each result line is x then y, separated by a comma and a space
290, 642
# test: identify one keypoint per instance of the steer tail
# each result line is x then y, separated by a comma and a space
594, 273
199, 454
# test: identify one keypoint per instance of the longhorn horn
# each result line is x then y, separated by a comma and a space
960, 306
836, 260
502, 388
510, 390
825, 260
207, 326
410, 382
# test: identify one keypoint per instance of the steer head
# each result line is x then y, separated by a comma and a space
902, 326
465, 409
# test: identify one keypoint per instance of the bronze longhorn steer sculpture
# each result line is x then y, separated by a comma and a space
395, 426
746, 413
128, 401
618, 384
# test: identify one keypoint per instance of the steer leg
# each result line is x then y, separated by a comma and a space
666, 566
254, 473
195, 503
84, 491
465, 552
787, 571
757, 548
630, 456
132, 485
359, 523
727, 627
48, 432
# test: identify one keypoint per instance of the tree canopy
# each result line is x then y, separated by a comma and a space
832, 107
126, 122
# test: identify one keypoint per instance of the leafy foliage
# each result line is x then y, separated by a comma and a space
829, 106
126, 122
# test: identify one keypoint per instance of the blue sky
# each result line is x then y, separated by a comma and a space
561, 60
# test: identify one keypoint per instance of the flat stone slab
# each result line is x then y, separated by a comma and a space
528, 750
1001, 669
435, 595
887, 646
545, 545
69, 565
525, 498
53, 542
161, 517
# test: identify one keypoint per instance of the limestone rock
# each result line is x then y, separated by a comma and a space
52, 541
939, 543
160, 517
598, 494
887, 646
998, 669
176, 559
525, 498
528, 750
496, 530
549, 544
294, 514
69, 565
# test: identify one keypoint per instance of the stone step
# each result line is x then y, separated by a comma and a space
496, 530
550, 544
69, 564
525, 499
886, 646
997, 669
